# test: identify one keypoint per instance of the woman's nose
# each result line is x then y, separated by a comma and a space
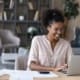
59, 32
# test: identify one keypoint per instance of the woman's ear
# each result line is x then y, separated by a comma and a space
48, 28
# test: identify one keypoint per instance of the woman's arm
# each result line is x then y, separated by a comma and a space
37, 67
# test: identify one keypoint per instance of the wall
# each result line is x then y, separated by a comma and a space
73, 23
77, 20
57, 4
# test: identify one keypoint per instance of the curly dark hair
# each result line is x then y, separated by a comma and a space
52, 15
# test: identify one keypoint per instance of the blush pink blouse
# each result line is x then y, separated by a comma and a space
42, 52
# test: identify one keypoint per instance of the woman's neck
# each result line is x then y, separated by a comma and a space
52, 41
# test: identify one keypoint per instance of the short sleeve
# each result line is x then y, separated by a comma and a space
33, 54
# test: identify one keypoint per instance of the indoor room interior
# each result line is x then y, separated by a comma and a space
21, 20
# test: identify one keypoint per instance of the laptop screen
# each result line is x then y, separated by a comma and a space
76, 51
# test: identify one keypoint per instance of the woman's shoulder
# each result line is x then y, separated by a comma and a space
38, 38
64, 41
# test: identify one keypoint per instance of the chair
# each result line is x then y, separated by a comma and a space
8, 41
22, 58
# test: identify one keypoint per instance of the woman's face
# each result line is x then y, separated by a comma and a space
55, 30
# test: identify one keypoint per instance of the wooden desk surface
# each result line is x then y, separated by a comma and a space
61, 77
4, 77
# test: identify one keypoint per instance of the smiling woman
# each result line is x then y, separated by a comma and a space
49, 52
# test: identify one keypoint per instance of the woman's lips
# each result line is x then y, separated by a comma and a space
57, 36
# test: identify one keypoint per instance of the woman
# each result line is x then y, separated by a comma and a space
50, 52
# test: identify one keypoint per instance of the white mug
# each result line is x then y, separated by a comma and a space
21, 18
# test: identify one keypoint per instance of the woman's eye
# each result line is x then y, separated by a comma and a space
61, 30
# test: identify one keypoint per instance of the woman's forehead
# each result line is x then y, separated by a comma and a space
58, 24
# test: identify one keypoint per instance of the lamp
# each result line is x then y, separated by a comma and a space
32, 31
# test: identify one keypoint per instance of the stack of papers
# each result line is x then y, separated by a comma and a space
26, 75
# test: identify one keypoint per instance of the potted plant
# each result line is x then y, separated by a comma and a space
70, 13
71, 8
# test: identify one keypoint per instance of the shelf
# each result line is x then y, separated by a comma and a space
8, 9
9, 21
18, 21
18, 17
28, 21
22, 34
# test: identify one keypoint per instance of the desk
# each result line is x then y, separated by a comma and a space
61, 77
4, 77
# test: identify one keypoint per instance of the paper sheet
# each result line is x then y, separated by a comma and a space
26, 75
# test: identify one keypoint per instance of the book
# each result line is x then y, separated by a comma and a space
11, 16
5, 15
36, 16
11, 5
30, 5
18, 30
0, 16
1, 1
6, 3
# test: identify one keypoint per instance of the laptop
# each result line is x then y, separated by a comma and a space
74, 64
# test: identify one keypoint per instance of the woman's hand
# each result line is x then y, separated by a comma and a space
61, 68
58, 69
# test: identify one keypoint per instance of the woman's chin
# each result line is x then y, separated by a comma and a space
57, 38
